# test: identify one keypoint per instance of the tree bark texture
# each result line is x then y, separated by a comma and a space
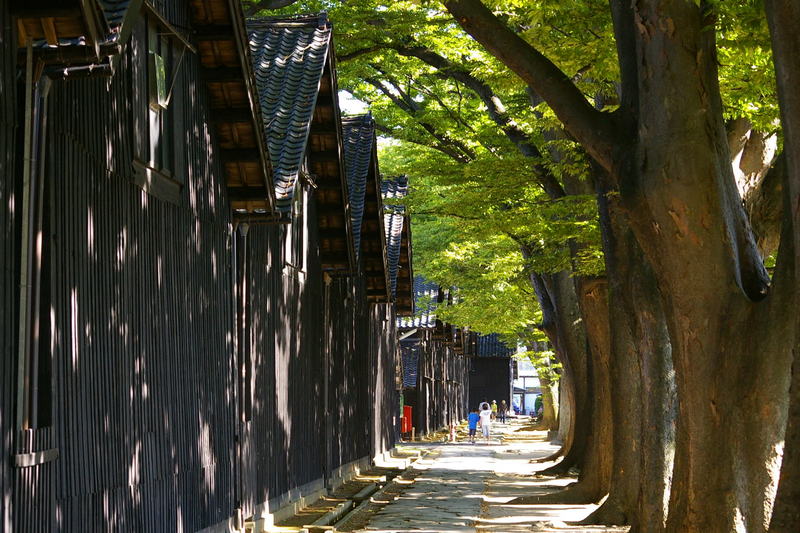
643, 391
678, 189
783, 17
549, 419
731, 336
595, 477
558, 302
579, 333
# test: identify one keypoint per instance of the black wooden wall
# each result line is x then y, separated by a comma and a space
490, 379
152, 383
439, 397
8, 251
142, 307
283, 430
383, 394
348, 402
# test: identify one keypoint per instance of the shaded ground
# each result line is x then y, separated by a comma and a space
464, 487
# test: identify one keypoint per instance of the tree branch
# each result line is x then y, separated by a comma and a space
360, 52
404, 102
595, 130
439, 147
494, 108
764, 206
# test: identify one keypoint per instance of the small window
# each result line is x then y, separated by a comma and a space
160, 168
295, 239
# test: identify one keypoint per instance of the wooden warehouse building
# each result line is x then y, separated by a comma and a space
200, 311
434, 362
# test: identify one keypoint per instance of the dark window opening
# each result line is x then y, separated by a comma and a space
159, 167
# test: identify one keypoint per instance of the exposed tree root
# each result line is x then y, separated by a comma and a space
559, 470
573, 495
551, 457
608, 514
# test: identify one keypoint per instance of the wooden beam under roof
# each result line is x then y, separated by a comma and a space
240, 154
225, 68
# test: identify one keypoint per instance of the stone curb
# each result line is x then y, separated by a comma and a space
378, 493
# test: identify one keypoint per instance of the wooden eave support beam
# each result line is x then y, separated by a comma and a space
324, 156
244, 194
323, 129
49, 28
172, 31
331, 234
214, 32
71, 55
240, 155
221, 74
32, 11
231, 115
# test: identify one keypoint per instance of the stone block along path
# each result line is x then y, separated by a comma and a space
467, 487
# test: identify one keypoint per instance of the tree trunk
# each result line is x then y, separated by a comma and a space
731, 336
595, 477
566, 412
570, 343
784, 18
643, 392
731, 341
549, 419
553, 306
580, 335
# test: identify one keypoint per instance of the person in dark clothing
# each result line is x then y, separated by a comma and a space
502, 410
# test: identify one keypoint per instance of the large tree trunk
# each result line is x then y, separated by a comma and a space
549, 419
784, 18
731, 345
580, 335
556, 296
731, 335
572, 345
595, 477
642, 387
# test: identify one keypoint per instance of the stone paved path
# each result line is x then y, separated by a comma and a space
463, 487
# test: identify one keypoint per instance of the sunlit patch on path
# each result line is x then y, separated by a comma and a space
465, 487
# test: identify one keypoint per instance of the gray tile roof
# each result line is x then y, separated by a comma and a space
114, 11
491, 346
410, 355
426, 294
393, 221
395, 188
288, 59
358, 136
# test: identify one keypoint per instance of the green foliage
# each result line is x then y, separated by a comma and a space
475, 197
746, 72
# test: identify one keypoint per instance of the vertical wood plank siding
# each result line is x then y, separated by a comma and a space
383, 394
439, 397
283, 438
151, 421
8, 262
348, 407
141, 298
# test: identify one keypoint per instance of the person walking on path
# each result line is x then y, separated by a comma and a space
486, 420
502, 410
494, 409
472, 424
